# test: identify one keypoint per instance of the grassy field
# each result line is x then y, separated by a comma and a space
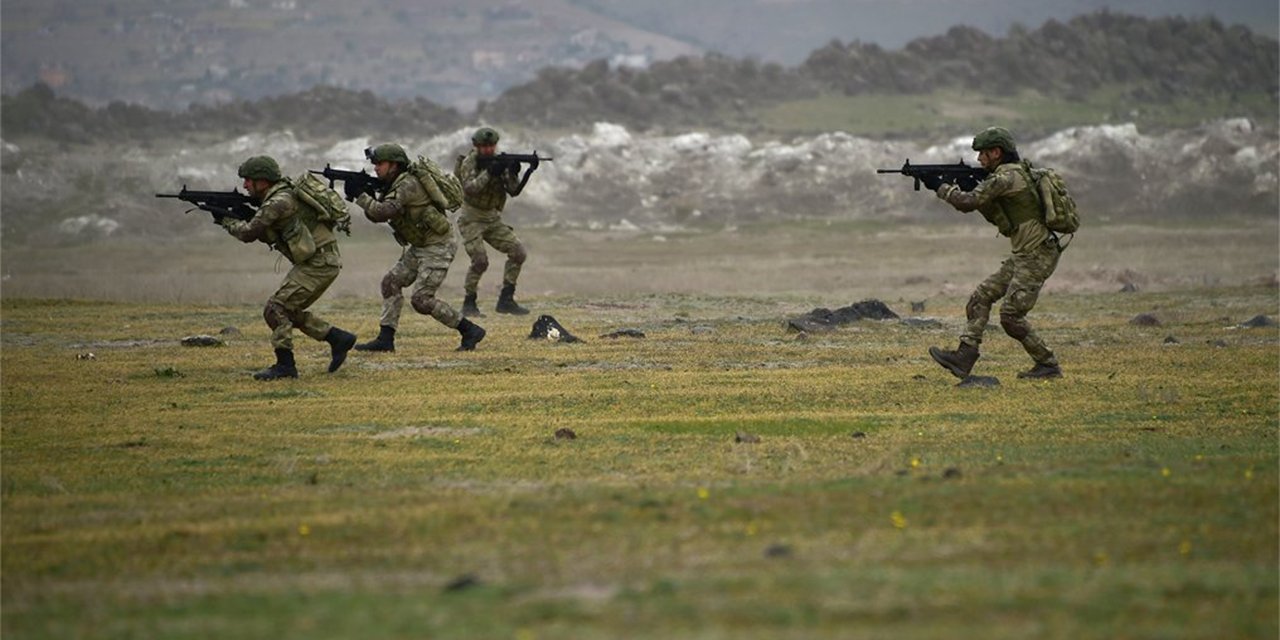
158, 491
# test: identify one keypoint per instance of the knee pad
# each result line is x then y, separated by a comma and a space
518, 254
275, 315
479, 264
1015, 326
389, 286
424, 304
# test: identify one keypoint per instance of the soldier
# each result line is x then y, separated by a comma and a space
485, 192
422, 228
290, 227
1008, 199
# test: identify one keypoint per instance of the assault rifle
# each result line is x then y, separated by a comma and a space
509, 162
357, 182
222, 204
959, 174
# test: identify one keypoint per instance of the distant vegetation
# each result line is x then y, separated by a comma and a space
1094, 66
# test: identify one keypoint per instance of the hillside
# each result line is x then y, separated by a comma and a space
1103, 67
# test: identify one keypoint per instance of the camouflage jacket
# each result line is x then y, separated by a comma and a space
483, 191
285, 224
409, 210
1007, 199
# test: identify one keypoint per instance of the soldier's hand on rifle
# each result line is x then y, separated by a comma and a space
513, 169
494, 169
967, 184
351, 190
533, 163
931, 182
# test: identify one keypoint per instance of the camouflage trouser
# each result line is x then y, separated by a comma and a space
475, 232
424, 268
1018, 281
303, 285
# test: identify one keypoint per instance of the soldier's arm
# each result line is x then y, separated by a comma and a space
996, 185
256, 228
388, 209
473, 182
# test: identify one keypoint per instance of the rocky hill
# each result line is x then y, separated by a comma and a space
1132, 61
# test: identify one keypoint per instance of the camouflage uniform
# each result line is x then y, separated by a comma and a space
291, 228
1006, 199
484, 196
424, 232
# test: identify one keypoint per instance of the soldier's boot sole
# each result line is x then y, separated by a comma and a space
471, 338
339, 348
1041, 372
951, 362
374, 345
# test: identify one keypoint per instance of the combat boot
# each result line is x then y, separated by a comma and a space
283, 368
340, 342
1041, 372
469, 308
507, 302
471, 333
958, 362
386, 341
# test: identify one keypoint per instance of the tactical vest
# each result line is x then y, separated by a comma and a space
299, 235
1009, 211
494, 195
420, 222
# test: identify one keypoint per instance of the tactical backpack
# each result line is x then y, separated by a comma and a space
444, 189
1056, 203
327, 205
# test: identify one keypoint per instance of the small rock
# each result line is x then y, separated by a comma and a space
1129, 287
565, 433
462, 583
917, 307
230, 332
203, 340
1145, 320
858, 434
778, 551
1218, 343
979, 381
1258, 322
743, 436
702, 329
1171, 340
951, 473
86, 356
548, 328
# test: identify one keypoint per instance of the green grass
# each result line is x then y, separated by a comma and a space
1135, 498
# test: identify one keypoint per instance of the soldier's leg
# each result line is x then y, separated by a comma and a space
433, 265
503, 238
310, 280
1030, 272
400, 276
978, 310
473, 242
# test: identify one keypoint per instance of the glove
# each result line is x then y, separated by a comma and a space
351, 190
494, 169
533, 164
967, 184
931, 182
513, 169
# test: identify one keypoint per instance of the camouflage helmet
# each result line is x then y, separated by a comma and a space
485, 136
994, 137
388, 153
260, 168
